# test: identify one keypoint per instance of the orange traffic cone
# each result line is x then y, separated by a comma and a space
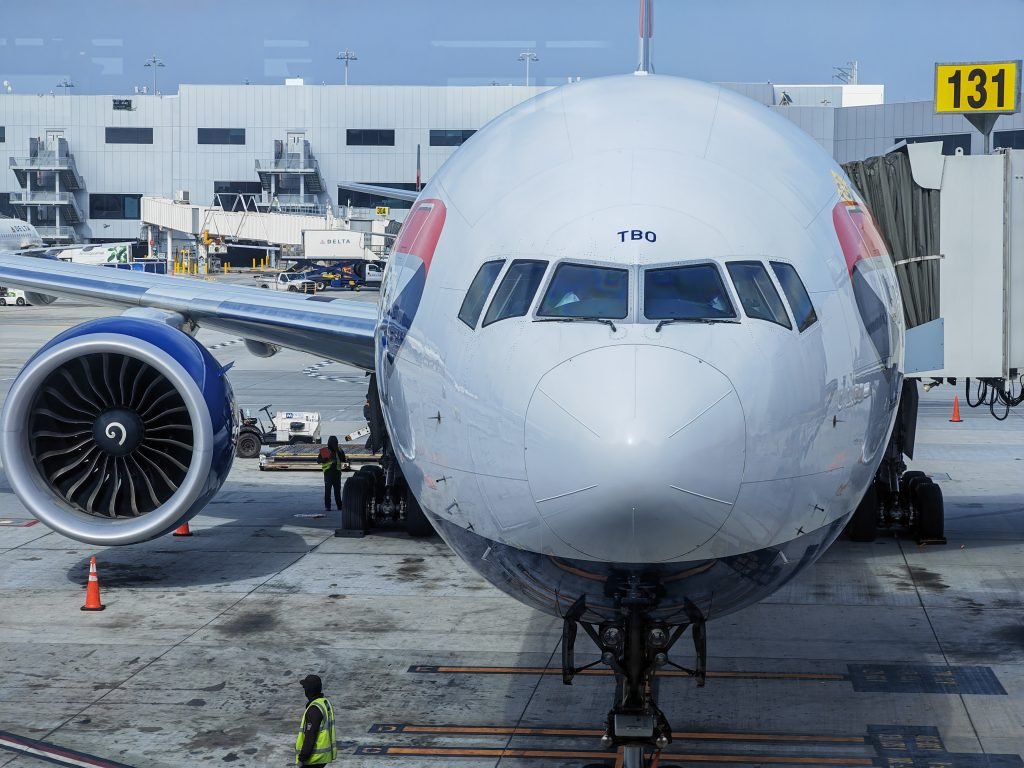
956, 410
92, 590
182, 530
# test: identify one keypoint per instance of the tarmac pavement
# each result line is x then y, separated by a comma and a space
881, 654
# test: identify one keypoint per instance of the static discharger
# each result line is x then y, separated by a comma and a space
92, 589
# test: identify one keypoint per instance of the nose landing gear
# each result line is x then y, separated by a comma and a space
634, 646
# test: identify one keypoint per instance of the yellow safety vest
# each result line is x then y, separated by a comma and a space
334, 463
326, 748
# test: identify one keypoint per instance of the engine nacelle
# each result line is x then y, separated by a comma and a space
118, 431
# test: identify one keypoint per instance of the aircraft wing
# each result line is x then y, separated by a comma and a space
338, 329
374, 189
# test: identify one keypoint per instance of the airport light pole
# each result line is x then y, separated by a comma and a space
528, 56
346, 56
65, 84
155, 63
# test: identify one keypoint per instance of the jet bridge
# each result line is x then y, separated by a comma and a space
955, 227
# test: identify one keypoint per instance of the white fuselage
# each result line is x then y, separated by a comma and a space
638, 446
16, 234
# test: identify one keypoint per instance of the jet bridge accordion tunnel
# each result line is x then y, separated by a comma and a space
954, 225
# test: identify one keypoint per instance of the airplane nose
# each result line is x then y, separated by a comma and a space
634, 453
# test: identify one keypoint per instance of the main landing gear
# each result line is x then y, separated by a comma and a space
635, 647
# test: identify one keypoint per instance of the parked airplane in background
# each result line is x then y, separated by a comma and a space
652, 405
16, 234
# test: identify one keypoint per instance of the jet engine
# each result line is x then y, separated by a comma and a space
118, 431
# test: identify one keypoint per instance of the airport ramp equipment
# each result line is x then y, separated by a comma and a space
306, 457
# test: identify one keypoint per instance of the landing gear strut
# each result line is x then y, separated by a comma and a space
635, 647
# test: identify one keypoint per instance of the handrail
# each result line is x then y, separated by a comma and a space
299, 163
56, 233
42, 197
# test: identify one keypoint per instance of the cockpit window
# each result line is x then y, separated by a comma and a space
757, 292
473, 304
796, 293
583, 290
516, 291
693, 292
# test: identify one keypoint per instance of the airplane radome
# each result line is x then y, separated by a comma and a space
638, 354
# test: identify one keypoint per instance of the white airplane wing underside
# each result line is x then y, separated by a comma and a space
338, 329
383, 191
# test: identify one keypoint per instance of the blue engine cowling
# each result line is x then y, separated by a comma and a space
118, 431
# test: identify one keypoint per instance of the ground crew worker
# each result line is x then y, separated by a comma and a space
331, 460
316, 744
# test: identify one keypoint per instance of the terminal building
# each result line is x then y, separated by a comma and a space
79, 166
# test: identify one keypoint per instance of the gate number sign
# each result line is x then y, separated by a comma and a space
989, 86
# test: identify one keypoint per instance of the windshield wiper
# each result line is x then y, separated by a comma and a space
671, 320
603, 320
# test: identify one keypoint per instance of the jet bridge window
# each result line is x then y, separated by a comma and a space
799, 301
692, 292
516, 291
581, 290
757, 292
473, 304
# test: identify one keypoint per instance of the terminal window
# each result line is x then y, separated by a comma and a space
222, 136
6, 209
129, 135
1003, 139
114, 206
3, 134
370, 137
449, 137
951, 142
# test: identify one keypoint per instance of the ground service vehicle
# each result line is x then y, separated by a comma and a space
353, 274
287, 281
295, 427
8, 296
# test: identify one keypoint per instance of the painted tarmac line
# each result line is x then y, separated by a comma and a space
600, 672
456, 730
51, 753
566, 754
864, 678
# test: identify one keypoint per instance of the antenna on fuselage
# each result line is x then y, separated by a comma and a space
646, 66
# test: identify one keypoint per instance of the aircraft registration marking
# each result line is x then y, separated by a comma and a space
637, 234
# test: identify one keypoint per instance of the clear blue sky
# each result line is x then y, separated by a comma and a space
101, 45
